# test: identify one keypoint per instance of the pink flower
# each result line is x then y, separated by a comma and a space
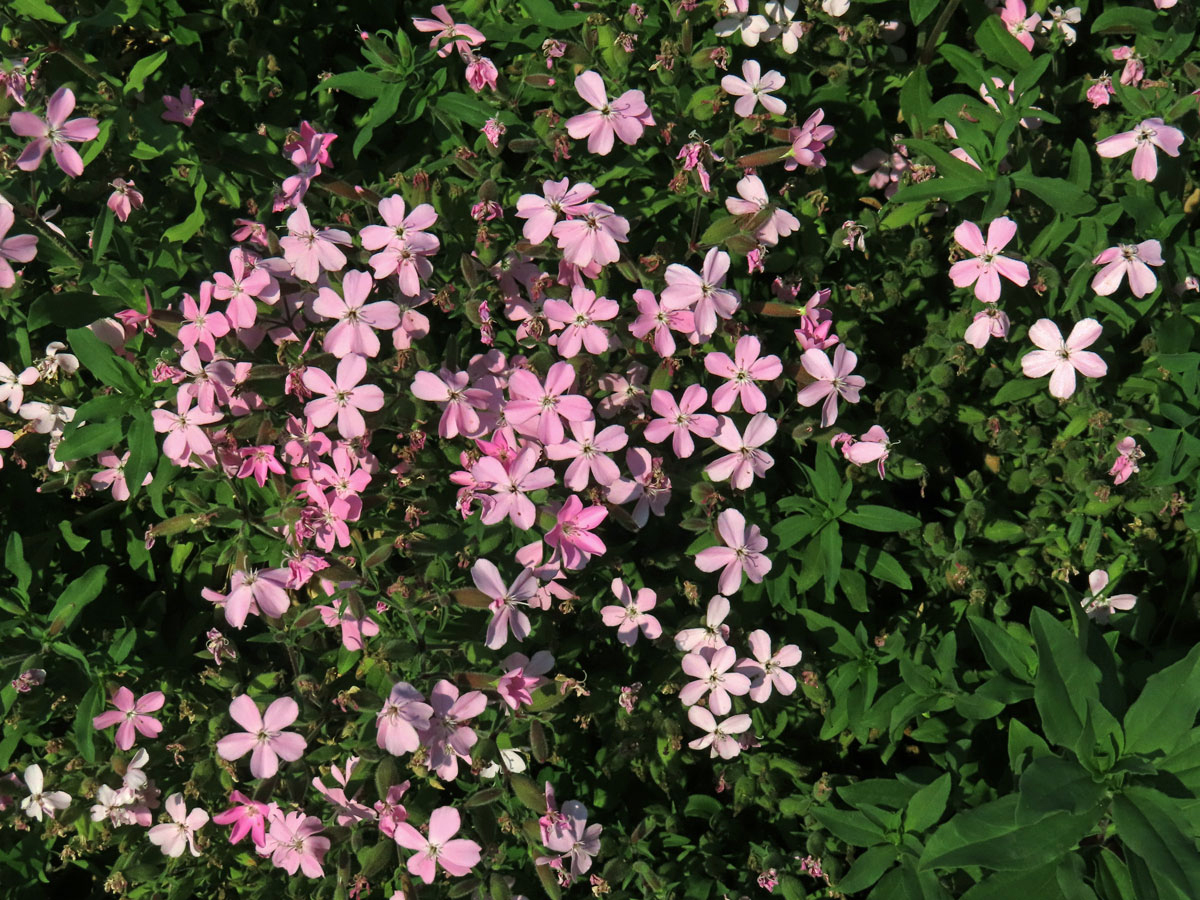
258, 463
572, 535
41, 802
588, 454
310, 251
113, 475
124, 198
448, 737
720, 737
201, 327
702, 293
18, 248
632, 614
264, 736
872, 446
712, 633
626, 117
661, 319
522, 676
648, 487
130, 716
1101, 92
357, 320
248, 817
985, 269
739, 21
53, 133
578, 320
746, 368
354, 630
403, 715
504, 601
679, 421
744, 460
182, 109
710, 666
247, 282
541, 213
293, 843
348, 809
1142, 141
261, 591
538, 409
1128, 453
456, 856
754, 200
832, 381
403, 243
493, 130
754, 88
573, 839
1133, 260
770, 667
742, 553
344, 398
184, 434
457, 36
989, 323
509, 486
174, 836
888, 170
459, 414
481, 73
808, 141
1100, 608
1020, 25
592, 238
1061, 359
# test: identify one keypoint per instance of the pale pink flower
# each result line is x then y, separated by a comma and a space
53, 133
1100, 608
989, 323
403, 715
679, 421
481, 73
1063, 20
201, 326
344, 398
743, 371
264, 736
1128, 453
41, 802
247, 282
131, 715
744, 461
509, 486
588, 454
702, 293
711, 666
113, 475
985, 269
184, 434
1019, 24
403, 243
888, 169
457, 36
248, 817
311, 251
538, 409
1133, 260
505, 602
348, 809
180, 833
259, 462
592, 237
648, 486
456, 855
261, 591
768, 672
458, 401
832, 381
1101, 92
754, 200
808, 140
448, 737
872, 446
578, 320
572, 535
542, 213
632, 614
1142, 140
741, 553
522, 676
354, 630
124, 198
661, 319
576, 841
182, 109
294, 842
712, 633
1061, 359
719, 736
754, 88
738, 20
357, 320
626, 117
391, 812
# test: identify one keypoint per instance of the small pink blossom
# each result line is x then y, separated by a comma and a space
743, 371
626, 117
578, 320
113, 475
247, 816
357, 320
1142, 140
872, 446
711, 666
264, 736
754, 200
457, 36
989, 323
538, 408
703, 293
572, 535
661, 319
588, 453
311, 251
131, 715
344, 398
1133, 260
542, 213
481, 73
719, 736
744, 461
632, 614
741, 553
1099, 607
1128, 453
985, 269
124, 198
182, 109
456, 855
522, 676
712, 633
808, 140
1019, 24
294, 843
18, 248
505, 602
767, 670
754, 88
1101, 92
404, 714
832, 381
54, 133
354, 630
679, 421
1061, 359
448, 737
180, 833
591, 238
41, 802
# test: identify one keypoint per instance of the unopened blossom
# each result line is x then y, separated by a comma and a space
54, 133
481, 73
1133, 260
984, 270
132, 716
311, 250
572, 535
578, 320
294, 842
770, 667
588, 452
1128, 453
680, 420
872, 446
182, 109
1099, 607
456, 856
738, 20
538, 408
457, 36
124, 199
113, 475
833, 380
247, 816
264, 736
1061, 359
989, 323
1019, 23
344, 398
711, 667
808, 140
180, 833
745, 460
1101, 92
753, 88
753, 200
1143, 140
713, 632
559, 198
721, 737
591, 238
625, 117
703, 293
817, 322
631, 615
741, 553
19, 248
39, 801
403, 715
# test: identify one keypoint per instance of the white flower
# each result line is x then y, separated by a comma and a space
835, 8
39, 802
738, 19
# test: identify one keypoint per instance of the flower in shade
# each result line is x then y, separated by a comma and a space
742, 553
1062, 359
1143, 140
833, 380
180, 832
113, 475
985, 269
441, 848
264, 736
1133, 260
130, 715
182, 109
18, 248
294, 842
1100, 608
54, 133
40, 801
522, 676
711, 667
1128, 453
124, 199
457, 36
754, 88
987, 324
632, 614
718, 735
404, 713
872, 446
505, 602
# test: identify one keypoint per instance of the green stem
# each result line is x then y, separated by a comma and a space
938, 27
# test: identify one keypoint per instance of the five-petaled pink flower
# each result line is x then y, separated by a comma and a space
258, 591
754, 88
113, 475
18, 248
744, 460
184, 434
632, 615
1142, 140
247, 816
459, 414
626, 117
1133, 260
746, 368
131, 715
558, 198
712, 633
985, 269
742, 553
832, 381
753, 200
572, 535
180, 832
264, 736
294, 842
588, 454
124, 199
310, 251
441, 848
509, 486
711, 666
679, 421
578, 320
718, 736
505, 602
404, 713
53, 133
769, 672
1061, 359
182, 109
1100, 608
1019, 24
872, 445
702, 293
660, 319
456, 35
343, 398
1128, 453
357, 319
538, 409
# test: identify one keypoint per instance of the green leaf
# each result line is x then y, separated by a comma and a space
143, 69
37, 9
78, 594
1041, 883
1166, 709
920, 10
143, 451
364, 85
1125, 19
189, 226
721, 230
1153, 826
702, 806
1081, 166
916, 97
14, 562
381, 111
1013, 391
867, 869
1066, 679
98, 358
927, 805
1050, 784
85, 732
464, 108
850, 826
89, 441
547, 15
1001, 47
881, 518
879, 564
1063, 196
527, 792
1004, 651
